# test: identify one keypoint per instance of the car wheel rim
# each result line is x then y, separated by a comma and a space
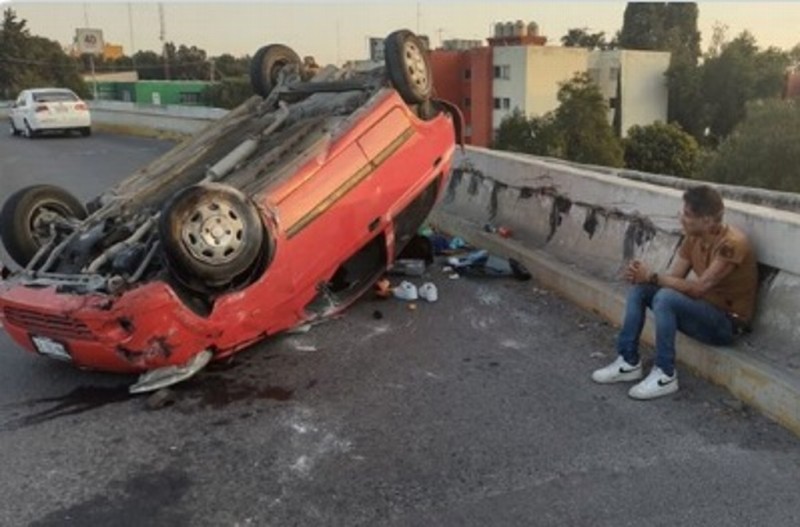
42, 217
416, 66
214, 233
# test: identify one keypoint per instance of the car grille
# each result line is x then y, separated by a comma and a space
56, 326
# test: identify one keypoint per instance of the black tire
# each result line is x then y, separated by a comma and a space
13, 129
267, 63
21, 225
408, 66
86, 131
203, 259
29, 132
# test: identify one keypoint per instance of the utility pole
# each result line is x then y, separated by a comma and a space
162, 37
130, 29
91, 55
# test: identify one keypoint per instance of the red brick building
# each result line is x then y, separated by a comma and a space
465, 79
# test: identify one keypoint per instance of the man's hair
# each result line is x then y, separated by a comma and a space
704, 201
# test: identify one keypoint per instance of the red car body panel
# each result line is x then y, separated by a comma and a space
332, 206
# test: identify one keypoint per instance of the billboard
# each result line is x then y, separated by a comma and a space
89, 41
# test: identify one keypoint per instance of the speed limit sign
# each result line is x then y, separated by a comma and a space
89, 41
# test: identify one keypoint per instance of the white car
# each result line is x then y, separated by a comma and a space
49, 109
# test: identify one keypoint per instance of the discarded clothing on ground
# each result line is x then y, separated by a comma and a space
482, 264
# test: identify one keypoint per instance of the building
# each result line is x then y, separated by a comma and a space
461, 77
518, 71
189, 93
634, 84
791, 88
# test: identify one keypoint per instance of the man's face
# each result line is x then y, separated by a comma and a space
694, 225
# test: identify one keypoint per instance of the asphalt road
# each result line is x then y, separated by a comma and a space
476, 410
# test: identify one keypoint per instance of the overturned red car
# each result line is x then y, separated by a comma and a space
281, 213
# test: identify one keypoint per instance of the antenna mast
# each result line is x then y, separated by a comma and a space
162, 36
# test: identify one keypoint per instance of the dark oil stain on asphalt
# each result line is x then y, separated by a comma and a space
81, 399
216, 391
149, 497
213, 390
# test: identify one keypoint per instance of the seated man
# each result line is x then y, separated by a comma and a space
713, 308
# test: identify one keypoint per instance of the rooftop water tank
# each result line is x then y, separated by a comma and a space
498, 29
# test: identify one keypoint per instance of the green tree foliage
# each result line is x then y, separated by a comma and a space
581, 38
582, 122
670, 26
514, 133
661, 148
229, 92
739, 73
662, 26
764, 149
28, 61
229, 66
577, 130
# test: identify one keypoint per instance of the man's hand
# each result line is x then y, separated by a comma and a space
637, 272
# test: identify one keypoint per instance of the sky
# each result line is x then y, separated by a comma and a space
334, 31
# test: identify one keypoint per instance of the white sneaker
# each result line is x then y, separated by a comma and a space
656, 384
406, 291
618, 371
428, 292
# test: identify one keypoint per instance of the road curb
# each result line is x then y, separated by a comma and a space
750, 378
139, 131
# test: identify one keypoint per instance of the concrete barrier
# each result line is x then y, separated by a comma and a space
152, 120
577, 228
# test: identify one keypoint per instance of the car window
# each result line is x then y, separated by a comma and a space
54, 96
21, 100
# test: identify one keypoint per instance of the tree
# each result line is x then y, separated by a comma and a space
662, 26
577, 130
661, 148
670, 26
582, 122
191, 63
739, 74
229, 92
764, 149
514, 133
28, 61
581, 38
149, 65
229, 66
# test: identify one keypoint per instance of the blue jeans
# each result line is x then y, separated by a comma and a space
673, 311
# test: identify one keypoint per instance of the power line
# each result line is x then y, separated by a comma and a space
77, 60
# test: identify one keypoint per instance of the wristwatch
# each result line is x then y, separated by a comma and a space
653, 279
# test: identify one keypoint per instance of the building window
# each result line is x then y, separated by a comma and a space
190, 98
467, 103
502, 72
496, 103
612, 102
506, 103
467, 74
